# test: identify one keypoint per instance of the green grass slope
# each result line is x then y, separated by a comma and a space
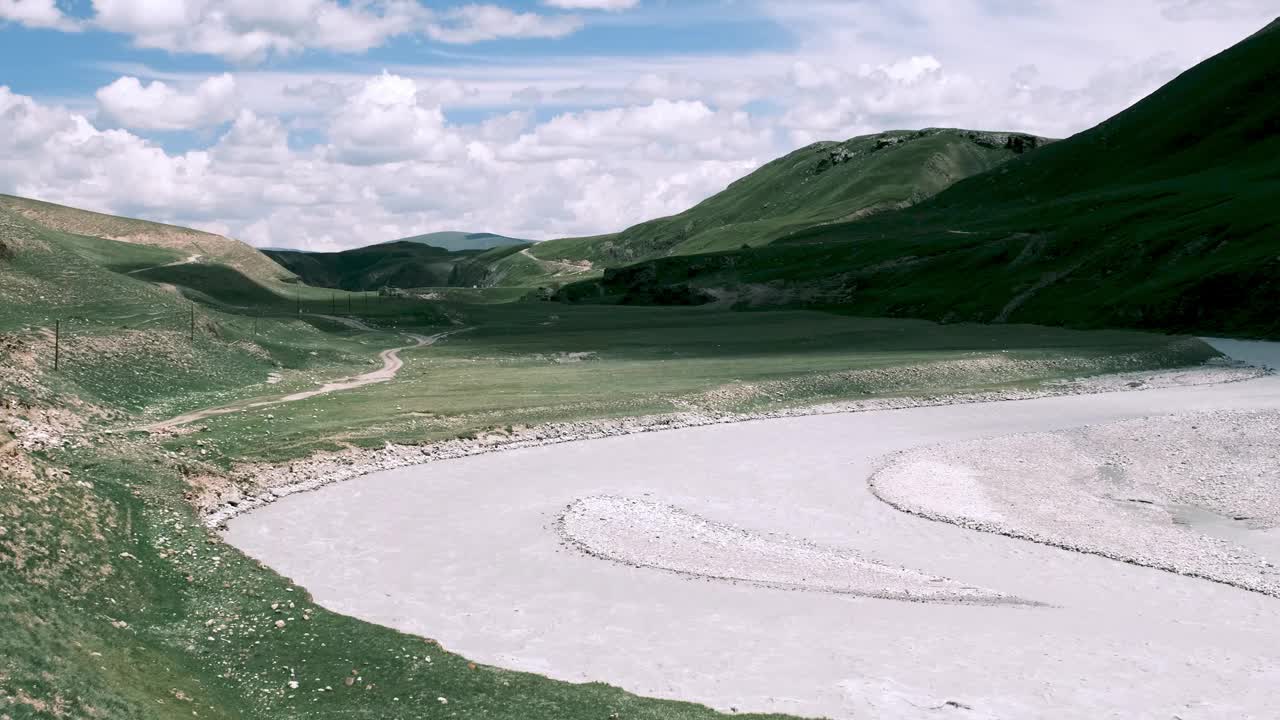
823, 183
1161, 217
210, 247
402, 264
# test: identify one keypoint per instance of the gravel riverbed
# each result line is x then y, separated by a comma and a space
1195, 494
465, 545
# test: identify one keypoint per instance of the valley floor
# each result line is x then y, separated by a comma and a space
121, 602
486, 554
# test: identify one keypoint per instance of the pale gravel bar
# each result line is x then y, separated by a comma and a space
1195, 494
640, 533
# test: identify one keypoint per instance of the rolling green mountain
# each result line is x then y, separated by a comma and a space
1164, 216
402, 264
823, 183
457, 241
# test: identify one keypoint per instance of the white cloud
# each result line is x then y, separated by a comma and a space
36, 14
592, 4
387, 121
157, 106
391, 166
249, 31
476, 23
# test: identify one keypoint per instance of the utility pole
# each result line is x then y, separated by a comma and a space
57, 343
297, 295
348, 304
333, 303
193, 322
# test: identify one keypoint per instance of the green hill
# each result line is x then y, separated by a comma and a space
1163, 216
402, 264
457, 241
196, 244
823, 183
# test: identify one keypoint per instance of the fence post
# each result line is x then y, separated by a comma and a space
57, 343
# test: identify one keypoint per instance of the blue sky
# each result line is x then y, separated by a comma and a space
335, 123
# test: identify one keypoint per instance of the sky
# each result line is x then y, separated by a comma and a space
331, 124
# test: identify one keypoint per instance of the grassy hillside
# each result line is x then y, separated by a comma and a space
209, 247
823, 183
456, 241
1161, 217
402, 264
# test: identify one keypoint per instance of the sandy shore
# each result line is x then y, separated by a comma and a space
468, 551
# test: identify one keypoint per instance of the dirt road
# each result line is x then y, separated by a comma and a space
391, 364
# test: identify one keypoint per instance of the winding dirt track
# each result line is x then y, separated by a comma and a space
467, 551
391, 365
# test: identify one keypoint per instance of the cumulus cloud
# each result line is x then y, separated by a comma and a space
248, 31
391, 165
35, 14
386, 121
157, 106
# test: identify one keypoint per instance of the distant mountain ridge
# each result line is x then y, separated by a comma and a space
455, 241
400, 264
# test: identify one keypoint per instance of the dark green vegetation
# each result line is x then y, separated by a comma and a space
402, 264
823, 183
456, 241
1163, 217
117, 603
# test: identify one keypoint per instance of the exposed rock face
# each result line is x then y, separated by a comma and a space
835, 157
1017, 143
